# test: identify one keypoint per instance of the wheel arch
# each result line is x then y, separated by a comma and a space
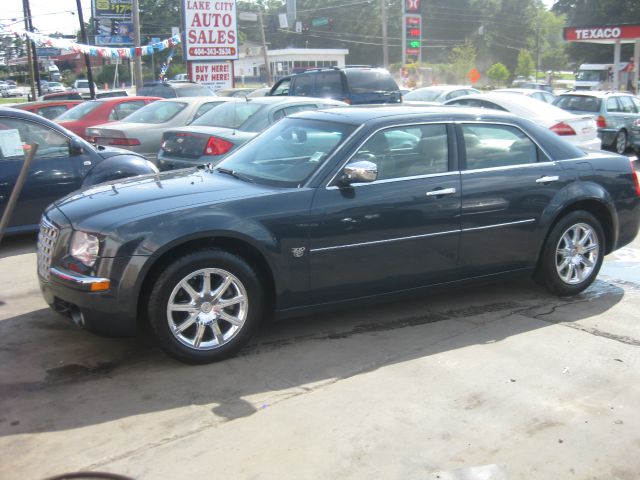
596, 207
249, 253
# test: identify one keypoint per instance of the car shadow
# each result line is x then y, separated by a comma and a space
56, 377
18, 244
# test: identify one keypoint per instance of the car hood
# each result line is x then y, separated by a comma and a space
99, 207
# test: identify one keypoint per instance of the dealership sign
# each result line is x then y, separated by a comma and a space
609, 32
210, 30
215, 75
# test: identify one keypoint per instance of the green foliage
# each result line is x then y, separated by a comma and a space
526, 66
463, 59
498, 73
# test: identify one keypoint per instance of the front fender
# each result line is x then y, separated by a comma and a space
117, 167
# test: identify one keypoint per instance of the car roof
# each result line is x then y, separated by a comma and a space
173, 84
357, 115
290, 99
520, 90
442, 87
48, 103
595, 93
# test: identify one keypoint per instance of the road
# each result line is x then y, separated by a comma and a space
494, 382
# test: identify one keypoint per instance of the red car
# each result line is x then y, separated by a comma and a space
96, 112
49, 109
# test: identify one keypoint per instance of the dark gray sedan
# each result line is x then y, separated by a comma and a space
224, 128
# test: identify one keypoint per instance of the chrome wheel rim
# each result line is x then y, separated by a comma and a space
207, 309
577, 253
621, 143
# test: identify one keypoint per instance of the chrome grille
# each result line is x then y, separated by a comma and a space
46, 244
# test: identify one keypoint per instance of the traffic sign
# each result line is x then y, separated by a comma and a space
474, 75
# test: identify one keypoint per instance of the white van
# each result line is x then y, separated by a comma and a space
598, 76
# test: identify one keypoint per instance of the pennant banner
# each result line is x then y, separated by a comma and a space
96, 51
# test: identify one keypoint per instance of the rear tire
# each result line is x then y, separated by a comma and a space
572, 255
205, 306
620, 143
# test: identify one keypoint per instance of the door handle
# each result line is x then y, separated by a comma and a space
442, 191
548, 179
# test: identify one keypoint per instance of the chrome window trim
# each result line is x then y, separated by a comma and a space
478, 122
508, 167
328, 186
399, 179
426, 235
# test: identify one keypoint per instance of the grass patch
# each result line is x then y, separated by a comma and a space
4, 101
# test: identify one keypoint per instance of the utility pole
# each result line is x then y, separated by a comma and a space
29, 55
385, 39
32, 46
267, 68
87, 60
537, 49
137, 62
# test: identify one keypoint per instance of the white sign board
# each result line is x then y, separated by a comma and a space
211, 31
215, 75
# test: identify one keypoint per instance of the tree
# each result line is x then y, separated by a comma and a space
526, 65
498, 73
463, 59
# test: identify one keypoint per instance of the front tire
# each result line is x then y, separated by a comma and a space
572, 255
205, 306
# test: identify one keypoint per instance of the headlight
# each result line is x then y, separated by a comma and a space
84, 247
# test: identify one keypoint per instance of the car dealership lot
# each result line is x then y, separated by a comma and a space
505, 378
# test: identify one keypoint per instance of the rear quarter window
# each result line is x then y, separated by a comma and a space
361, 81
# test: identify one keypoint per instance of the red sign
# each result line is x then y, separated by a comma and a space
412, 6
474, 75
210, 29
609, 32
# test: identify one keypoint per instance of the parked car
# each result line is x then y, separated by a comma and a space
578, 129
99, 112
69, 95
234, 92
9, 90
259, 92
44, 86
175, 89
82, 87
438, 93
355, 85
615, 112
48, 109
328, 207
529, 92
112, 93
533, 85
226, 127
142, 131
63, 163
56, 87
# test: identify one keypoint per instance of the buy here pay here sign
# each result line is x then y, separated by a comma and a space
210, 30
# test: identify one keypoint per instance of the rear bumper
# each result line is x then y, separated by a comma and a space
593, 144
607, 135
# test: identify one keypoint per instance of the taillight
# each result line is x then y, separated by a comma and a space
124, 142
347, 101
562, 129
217, 146
601, 122
636, 178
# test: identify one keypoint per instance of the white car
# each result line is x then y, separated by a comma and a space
438, 93
11, 91
530, 92
82, 87
581, 130
56, 87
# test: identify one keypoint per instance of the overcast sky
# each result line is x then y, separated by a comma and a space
51, 16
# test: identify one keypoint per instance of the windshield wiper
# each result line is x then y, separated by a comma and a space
235, 174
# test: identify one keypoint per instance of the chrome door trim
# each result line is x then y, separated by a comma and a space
378, 242
426, 235
509, 167
393, 180
499, 225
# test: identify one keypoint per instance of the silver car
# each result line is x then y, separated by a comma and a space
141, 132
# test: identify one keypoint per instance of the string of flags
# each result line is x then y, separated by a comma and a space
96, 51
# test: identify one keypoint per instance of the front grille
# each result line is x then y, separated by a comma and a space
46, 244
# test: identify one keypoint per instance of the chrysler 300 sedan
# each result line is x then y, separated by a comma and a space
328, 207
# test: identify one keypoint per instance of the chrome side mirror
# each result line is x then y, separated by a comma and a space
362, 171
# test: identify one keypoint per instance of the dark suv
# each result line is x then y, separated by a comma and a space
351, 85
174, 90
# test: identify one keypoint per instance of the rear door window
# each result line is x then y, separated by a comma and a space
489, 146
303, 86
329, 84
125, 109
627, 104
361, 81
612, 105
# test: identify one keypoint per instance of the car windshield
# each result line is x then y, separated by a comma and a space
578, 103
370, 81
288, 153
229, 115
592, 75
156, 112
79, 111
82, 84
429, 95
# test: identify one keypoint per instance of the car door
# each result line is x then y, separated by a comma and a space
507, 184
55, 170
400, 231
123, 109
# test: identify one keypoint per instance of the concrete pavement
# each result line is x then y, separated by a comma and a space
497, 382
